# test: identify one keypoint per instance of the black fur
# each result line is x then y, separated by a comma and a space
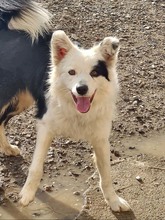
101, 69
23, 64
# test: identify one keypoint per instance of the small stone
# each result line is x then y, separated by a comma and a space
126, 99
132, 147
86, 206
128, 16
50, 160
28, 135
71, 173
35, 214
47, 188
156, 184
117, 153
74, 36
68, 142
87, 167
78, 163
138, 178
115, 182
147, 27
17, 143
135, 102
77, 193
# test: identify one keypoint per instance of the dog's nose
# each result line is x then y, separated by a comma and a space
82, 89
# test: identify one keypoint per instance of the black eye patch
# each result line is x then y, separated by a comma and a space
100, 70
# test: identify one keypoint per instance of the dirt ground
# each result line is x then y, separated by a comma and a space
69, 189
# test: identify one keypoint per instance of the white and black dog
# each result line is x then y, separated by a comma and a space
24, 58
75, 93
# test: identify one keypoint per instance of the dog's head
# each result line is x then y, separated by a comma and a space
83, 74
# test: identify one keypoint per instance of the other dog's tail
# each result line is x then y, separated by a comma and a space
25, 15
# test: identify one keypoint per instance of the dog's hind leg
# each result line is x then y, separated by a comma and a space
5, 147
5, 114
102, 159
15, 106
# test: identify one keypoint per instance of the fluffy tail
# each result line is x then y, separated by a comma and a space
25, 15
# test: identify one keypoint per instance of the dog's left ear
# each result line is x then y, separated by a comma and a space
109, 48
60, 46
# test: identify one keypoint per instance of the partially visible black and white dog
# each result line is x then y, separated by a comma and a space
24, 58
75, 90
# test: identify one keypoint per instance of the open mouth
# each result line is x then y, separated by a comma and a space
83, 103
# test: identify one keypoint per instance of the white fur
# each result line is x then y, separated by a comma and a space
62, 117
34, 20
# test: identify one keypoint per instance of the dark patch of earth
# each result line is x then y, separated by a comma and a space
137, 140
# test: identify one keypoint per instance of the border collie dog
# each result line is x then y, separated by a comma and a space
24, 57
75, 90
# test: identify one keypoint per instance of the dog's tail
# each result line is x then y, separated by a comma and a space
25, 15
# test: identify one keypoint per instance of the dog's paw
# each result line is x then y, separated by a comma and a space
118, 204
11, 150
26, 196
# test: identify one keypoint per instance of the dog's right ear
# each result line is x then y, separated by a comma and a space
60, 46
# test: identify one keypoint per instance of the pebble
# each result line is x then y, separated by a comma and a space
147, 27
50, 160
115, 182
156, 184
74, 36
71, 173
47, 188
68, 142
77, 193
138, 178
35, 214
132, 147
117, 153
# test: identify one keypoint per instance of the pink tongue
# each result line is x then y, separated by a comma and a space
83, 104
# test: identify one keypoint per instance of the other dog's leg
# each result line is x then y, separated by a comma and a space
5, 147
28, 191
102, 157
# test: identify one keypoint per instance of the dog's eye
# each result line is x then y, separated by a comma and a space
72, 72
94, 73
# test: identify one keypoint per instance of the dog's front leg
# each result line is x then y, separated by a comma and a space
102, 159
28, 191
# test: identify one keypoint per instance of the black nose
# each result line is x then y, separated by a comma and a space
82, 89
